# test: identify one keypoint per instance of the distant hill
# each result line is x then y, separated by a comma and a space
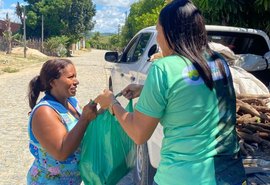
90, 34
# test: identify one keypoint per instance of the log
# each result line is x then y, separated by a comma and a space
247, 108
266, 126
244, 117
246, 130
254, 101
263, 96
242, 147
237, 108
264, 135
250, 110
248, 120
256, 128
249, 148
249, 137
253, 124
263, 109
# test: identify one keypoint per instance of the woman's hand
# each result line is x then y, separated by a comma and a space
105, 99
89, 111
132, 91
156, 56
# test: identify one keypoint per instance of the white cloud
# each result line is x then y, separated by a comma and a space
11, 13
10, 10
112, 14
117, 3
109, 14
14, 5
108, 19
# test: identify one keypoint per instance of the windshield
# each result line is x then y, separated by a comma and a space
240, 43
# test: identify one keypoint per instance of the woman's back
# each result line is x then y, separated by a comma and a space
198, 122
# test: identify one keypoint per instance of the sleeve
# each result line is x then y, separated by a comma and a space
152, 101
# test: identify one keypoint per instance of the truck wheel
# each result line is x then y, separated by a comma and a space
144, 171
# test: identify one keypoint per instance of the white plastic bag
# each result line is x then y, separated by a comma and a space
246, 83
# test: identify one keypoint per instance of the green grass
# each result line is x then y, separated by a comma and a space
10, 70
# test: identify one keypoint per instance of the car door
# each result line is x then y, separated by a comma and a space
134, 55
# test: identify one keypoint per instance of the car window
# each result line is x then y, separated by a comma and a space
137, 48
240, 43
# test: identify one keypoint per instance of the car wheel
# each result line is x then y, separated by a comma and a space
144, 171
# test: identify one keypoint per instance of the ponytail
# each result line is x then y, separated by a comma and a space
34, 91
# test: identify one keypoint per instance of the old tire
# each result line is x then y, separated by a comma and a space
144, 171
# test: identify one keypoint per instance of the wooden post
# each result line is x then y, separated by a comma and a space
42, 33
24, 33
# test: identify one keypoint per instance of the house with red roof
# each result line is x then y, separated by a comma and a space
3, 27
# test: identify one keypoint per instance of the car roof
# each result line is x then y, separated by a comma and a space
237, 29
225, 29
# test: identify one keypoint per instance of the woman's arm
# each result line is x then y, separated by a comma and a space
53, 135
137, 125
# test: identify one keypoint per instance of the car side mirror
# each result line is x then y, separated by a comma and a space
267, 56
152, 50
111, 56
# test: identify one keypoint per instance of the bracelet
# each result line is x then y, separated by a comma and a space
111, 106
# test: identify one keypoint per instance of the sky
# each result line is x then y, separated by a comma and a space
109, 13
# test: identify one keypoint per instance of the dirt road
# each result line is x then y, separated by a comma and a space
15, 158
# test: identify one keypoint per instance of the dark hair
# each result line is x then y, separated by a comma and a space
184, 30
50, 70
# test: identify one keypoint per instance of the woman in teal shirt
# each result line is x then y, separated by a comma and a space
190, 92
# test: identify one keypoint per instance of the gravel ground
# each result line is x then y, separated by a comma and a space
15, 158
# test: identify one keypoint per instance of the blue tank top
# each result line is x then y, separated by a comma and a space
45, 169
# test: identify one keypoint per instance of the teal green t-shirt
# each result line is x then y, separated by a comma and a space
200, 143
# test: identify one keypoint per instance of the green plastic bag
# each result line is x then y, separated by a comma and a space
108, 153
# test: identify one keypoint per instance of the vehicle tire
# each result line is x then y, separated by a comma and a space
144, 171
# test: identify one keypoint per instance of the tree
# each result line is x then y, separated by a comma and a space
61, 17
243, 13
8, 34
114, 42
142, 14
79, 19
95, 40
19, 11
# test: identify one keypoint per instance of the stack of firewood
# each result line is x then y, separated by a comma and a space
253, 124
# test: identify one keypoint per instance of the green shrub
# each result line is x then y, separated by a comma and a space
10, 70
56, 46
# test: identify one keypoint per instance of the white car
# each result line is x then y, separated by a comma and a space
131, 66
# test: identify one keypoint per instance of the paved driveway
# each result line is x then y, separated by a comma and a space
15, 158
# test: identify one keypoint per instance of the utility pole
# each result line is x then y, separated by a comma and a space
118, 31
42, 32
126, 16
24, 33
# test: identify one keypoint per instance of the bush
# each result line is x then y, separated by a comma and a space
56, 46
87, 45
10, 70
